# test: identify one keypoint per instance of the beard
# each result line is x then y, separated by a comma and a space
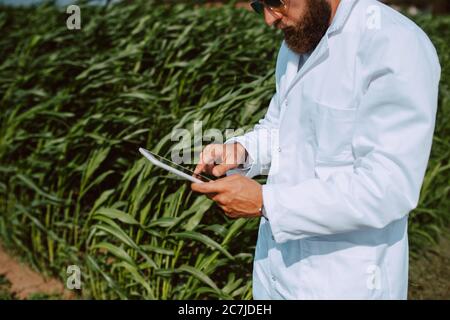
307, 33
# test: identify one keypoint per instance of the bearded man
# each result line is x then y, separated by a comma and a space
345, 143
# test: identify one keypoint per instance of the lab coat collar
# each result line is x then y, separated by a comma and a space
342, 13
321, 51
293, 75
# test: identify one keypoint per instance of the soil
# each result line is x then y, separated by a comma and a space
18, 281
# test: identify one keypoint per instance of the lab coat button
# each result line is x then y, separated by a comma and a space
279, 149
273, 278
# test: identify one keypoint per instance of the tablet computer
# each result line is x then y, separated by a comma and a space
172, 167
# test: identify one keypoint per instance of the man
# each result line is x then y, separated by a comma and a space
345, 141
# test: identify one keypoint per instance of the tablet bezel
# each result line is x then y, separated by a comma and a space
149, 156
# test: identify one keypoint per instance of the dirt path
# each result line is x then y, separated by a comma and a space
24, 282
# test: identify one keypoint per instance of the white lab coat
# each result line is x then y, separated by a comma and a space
345, 143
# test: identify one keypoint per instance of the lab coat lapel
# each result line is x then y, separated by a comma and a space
291, 68
319, 55
321, 52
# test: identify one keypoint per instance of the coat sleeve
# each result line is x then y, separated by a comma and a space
263, 138
259, 141
391, 145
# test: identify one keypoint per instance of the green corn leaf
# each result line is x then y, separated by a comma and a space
201, 276
117, 214
191, 235
117, 251
30, 184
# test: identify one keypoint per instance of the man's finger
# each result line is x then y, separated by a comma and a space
200, 165
219, 198
210, 195
207, 157
199, 168
207, 187
221, 169
226, 210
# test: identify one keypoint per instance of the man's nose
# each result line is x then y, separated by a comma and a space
270, 17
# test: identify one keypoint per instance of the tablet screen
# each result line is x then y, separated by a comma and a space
177, 169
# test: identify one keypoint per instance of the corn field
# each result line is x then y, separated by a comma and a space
75, 106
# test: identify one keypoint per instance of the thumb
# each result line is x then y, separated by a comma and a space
221, 169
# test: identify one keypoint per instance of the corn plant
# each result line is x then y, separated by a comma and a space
76, 105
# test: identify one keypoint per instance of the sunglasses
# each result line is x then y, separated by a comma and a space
272, 5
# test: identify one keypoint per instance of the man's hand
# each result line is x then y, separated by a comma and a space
217, 159
238, 196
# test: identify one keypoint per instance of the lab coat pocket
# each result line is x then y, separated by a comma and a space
333, 130
348, 271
